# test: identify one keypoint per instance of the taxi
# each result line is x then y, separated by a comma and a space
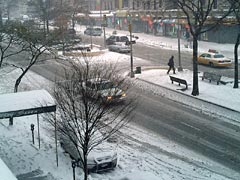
214, 59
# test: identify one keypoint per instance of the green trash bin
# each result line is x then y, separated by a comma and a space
138, 70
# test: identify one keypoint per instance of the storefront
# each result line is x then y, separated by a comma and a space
170, 27
120, 20
147, 22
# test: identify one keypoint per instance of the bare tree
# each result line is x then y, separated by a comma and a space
83, 113
78, 6
10, 43
35, 45
198, 13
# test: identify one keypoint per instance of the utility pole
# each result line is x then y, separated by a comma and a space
104, 25
131, 51
179, 49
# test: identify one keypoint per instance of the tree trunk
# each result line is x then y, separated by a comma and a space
47, 24
18, 81
236, 62
195, 91
85, 168
1, 59
1, 23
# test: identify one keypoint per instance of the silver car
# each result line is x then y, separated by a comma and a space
101, 158
119, 47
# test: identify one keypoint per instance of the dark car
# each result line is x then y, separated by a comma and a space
93, 31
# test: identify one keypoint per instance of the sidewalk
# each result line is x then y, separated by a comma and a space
219, 99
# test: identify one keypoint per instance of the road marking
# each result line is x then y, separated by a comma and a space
190, 126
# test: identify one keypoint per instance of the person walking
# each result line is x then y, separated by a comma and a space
171, 65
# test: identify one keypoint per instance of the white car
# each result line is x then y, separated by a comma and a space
105, 89
102, 158
119, 47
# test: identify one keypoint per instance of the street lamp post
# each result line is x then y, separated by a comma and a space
131, 51
179, 49
104, 25
73, 167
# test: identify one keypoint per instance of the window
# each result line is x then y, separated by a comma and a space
218, 56
148, 4
124, 39
138, 4
208, 55
155, 5
160, 3
215, 4
125, 3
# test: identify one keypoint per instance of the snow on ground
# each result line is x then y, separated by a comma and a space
142, 155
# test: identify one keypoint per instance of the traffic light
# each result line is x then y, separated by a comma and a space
130, 27
105, 19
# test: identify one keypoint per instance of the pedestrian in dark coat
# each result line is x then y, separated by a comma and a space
171, 65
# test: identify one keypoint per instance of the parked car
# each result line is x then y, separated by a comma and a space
119, 47
105, 89
101, 158
117, 38
94, 31
71, 32
213, 58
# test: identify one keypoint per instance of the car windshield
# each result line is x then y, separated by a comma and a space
124, 38
97, 29
107, 85
218, 56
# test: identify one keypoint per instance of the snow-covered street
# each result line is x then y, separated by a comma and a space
141, 153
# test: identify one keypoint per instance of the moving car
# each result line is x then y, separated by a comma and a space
213, 58
119, 47
93, 31
105, 89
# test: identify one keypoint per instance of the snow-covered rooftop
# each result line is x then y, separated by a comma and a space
25, 103
5, 172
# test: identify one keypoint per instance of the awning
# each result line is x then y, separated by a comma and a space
121, 13
169, 21
6, 173
26, 103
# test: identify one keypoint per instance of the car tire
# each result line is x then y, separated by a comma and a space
211, 64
